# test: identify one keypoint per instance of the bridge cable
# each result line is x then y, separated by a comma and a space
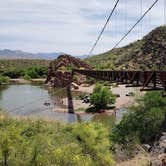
100, 34
141, 11
145, 13
164, 12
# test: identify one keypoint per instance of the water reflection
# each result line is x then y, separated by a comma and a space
28, 101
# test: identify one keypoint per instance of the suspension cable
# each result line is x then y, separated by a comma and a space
145, 13
164, 12
100, 34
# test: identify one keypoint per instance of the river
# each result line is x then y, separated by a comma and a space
27, 100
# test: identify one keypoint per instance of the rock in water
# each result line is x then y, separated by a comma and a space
60, 71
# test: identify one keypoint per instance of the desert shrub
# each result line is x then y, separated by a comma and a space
26, 142
94, 142
101, 97
27, 77
90, 80
36, 72
4, 80
31, 72
13, 72
143, 122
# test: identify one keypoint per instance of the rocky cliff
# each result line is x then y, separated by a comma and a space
60, 71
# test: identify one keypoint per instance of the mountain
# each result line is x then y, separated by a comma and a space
148, 53
17, 54
82, 56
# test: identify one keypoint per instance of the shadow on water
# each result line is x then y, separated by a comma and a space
70, 100
26, 100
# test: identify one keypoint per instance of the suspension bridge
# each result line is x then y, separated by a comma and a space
147, 80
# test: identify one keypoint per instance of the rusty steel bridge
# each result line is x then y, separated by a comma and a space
147, 80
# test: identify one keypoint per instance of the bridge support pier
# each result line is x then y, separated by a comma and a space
70, 100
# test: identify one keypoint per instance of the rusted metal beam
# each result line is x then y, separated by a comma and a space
149, 80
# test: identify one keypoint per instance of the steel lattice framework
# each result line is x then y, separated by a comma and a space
147, 80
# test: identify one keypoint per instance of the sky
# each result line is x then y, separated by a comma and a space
72, 26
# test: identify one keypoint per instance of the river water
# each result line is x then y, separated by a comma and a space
28, 100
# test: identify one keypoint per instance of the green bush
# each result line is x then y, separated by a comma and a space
36, 72
4, 80
90, 80
32, 72
101, 97
13, 73
144, 122
40, 143
27, 77
93, 139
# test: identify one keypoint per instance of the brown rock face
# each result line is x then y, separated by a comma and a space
60, 71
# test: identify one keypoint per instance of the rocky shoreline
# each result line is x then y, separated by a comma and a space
157, 151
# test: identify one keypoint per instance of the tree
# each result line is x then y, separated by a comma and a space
101, 97
143, 122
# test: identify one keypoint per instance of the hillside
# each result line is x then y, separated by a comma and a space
22, 63
145, 54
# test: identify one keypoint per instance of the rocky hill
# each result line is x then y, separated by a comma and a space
60, 70
145, 54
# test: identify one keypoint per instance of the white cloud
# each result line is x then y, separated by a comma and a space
72, 26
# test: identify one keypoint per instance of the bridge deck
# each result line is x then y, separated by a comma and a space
148, 80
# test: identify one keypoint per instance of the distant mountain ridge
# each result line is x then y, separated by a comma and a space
18, 54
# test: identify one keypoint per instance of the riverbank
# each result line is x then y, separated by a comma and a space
23, 81
122, 101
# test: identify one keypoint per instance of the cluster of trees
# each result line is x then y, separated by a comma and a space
144, 122
27, 73
25, 142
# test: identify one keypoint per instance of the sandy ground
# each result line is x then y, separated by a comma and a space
121, 102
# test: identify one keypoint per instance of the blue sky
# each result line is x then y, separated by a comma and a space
72, 26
